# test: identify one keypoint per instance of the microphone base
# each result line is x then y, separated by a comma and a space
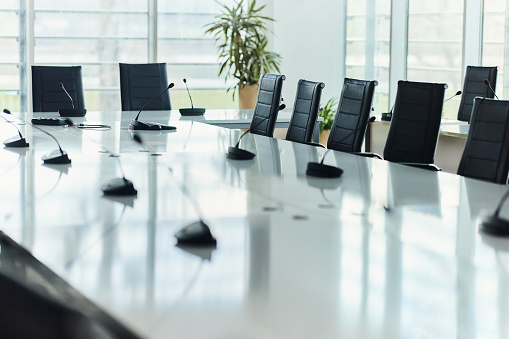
71, 112
192, 111
56, 158
195, 234
16, 141
236, 153
149, 126
119, 187
316, 169
495, 226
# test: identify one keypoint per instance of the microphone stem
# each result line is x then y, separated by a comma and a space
157, 96
72, 101
323, 157
19, 132
189, 95
40, 129
499, 207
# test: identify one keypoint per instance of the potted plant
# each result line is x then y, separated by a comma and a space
240, 33
328, 113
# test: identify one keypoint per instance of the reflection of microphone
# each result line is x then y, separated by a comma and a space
236, 153
321, 170
487, 83
138, 125
14, 141
191, 111
118, 186
197, 233
56, 157
494, 224
74, 112
452, 96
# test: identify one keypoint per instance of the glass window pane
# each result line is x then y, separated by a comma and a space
435, 46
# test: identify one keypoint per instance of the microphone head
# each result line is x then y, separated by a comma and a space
138, 139
6, 111
458, 93
171, 85
281, 107
184, 80
486, 82
61, 85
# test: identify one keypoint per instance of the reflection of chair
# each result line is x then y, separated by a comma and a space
36, 303
305, 111
486, 153
267, 104
415, 124
474, 86
140, 83
48, 96
349, 126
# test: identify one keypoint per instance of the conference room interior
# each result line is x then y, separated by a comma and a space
370, 254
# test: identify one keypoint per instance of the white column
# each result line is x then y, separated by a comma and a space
152, 31
29, 51
472, 33
399, 46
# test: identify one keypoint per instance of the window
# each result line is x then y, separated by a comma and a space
368, 46
435, 46
12, 57
493, 47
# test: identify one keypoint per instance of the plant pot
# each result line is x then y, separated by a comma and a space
324, 136
247, 96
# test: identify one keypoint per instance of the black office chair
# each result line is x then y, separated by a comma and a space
354, 108
36, 303
140, 83
415, 124
474, 86
486, 152
48, 95
305, 111
267, 104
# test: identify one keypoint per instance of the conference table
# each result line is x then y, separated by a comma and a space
385, 251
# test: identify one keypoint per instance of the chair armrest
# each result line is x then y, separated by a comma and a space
369, 155
429, 167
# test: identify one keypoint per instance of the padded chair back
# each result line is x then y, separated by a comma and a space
140, 83
415, 123
474, 86
349, 126
48, 96
486, 152
305, 111
267, 104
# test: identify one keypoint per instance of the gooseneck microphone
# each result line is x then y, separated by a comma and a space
452, 96
319, 169
236, 153
118, 186
150, 126
74, 112
191, 111
14, 141
197, 233
494, 224
487, 83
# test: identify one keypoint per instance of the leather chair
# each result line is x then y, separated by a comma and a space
415, 124
474, 86
354, 108
486, 152
267, 104
48, 96
140, 83
305, 111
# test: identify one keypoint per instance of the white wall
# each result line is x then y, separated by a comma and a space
309, 35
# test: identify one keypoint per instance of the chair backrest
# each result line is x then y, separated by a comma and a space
140, 83
474, 86
305, 111
267, 104
349, 126
415, 123
486, 152
48, 96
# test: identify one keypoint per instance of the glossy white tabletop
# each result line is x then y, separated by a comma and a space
386, 251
